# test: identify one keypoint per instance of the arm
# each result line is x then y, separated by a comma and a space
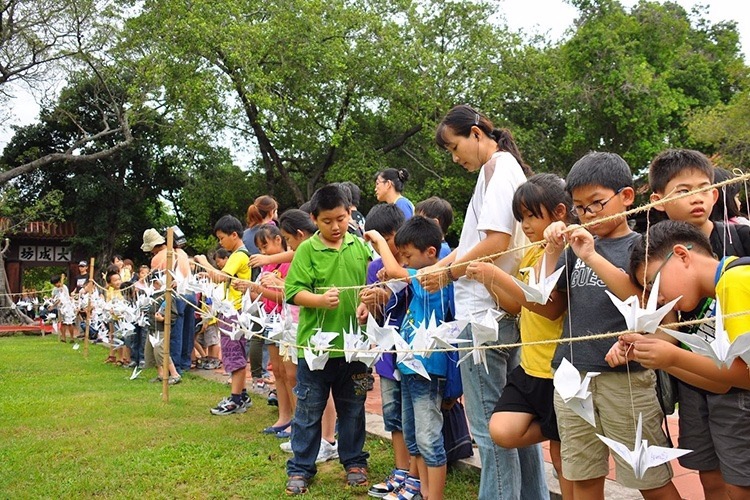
271, 287
618, 282
390, 264
213, 274
327, 300
259, 260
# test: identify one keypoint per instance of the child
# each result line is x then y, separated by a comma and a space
682, 254
210, 326
228, 230
677, 171
418, 242
386, 219
331, 258
269, 241
296, 226
601, 186
114, 282
154, 355
440, 210
65, 309
525, 414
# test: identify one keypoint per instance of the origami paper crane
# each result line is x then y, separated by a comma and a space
643, 456
135, 373
720, 350
539, 290
381, 336
643, 320
574, 391
318, 342
483, 329
447, 334
156, 341
406, 356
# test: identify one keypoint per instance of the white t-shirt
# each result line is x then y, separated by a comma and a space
490, 209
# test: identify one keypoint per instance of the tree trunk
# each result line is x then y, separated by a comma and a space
9, 315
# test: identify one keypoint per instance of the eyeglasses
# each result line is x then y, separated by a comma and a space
595, 207
378, 181
650, 283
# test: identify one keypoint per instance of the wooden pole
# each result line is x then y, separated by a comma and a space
167, 317
88, 313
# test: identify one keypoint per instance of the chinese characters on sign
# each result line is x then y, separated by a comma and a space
44, 253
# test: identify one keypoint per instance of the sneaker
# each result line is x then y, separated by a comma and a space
273, 399
259, 383
132, 364
409, 490
141, 365
297, 485
286, 447
174, 380
246, 401
356, 476
327, 452
393, 482
226, 407
370, 382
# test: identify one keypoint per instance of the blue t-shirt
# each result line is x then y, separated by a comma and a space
406, 206
421, 308
395, 310
444, 251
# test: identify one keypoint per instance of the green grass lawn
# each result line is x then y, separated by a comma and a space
72, 427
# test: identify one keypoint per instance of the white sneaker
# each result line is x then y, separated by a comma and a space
327, 451
286, 446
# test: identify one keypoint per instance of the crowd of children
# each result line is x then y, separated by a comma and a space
319, 278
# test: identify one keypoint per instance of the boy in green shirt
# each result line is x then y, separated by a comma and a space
329, 259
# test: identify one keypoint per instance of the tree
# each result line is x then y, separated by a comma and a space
725, 131
40, 42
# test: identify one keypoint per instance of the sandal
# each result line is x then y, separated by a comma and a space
273, 430
297, 485
110, 359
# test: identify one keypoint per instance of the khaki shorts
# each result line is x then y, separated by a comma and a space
585, 456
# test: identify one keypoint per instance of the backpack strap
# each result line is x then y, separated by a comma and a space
740, 261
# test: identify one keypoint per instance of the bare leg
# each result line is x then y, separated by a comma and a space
238, 380
589, 489
666, 492
738, 492
400, 451
290, 371
566, 487
282, 391
328, 422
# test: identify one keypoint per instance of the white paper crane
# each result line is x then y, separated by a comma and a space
643, 320
381, 336
406, 357
720, 350
539, 290
315, 354
483, 330
574, 391
643, 456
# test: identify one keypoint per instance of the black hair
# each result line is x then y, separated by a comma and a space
598, 168
294, 220
460, 119
541, 190
347, 192
115, 257
726, 196
55, 279
327, 198
221, 253
266, 232
435, 207
305, 207
111, 271
397, 177
229, 224
385, 218
420, 232
662, 237
355, 191
671, 162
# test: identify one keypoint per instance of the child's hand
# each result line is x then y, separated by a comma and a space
652, 352
374, 297
259, 260
433, 278
271, 280
447, 404
554, 234
481, 272
330, 299
582, 242
619, 353
242, 286
374, 237
201, 259
362, 313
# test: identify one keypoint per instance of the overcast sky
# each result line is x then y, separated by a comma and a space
551, 17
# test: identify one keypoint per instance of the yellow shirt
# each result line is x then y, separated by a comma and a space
733, 293
536, 360
237, 265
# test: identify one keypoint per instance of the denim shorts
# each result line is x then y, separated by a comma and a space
422, 419
390, 396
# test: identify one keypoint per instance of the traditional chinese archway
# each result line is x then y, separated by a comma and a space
34, 245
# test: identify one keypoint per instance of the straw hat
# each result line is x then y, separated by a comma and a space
151, 238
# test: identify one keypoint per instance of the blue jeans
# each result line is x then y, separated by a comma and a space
348, 383
175, 334
504, 471
390, 397
422, 418
188, 331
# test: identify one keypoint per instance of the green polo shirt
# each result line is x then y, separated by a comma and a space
317, 266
